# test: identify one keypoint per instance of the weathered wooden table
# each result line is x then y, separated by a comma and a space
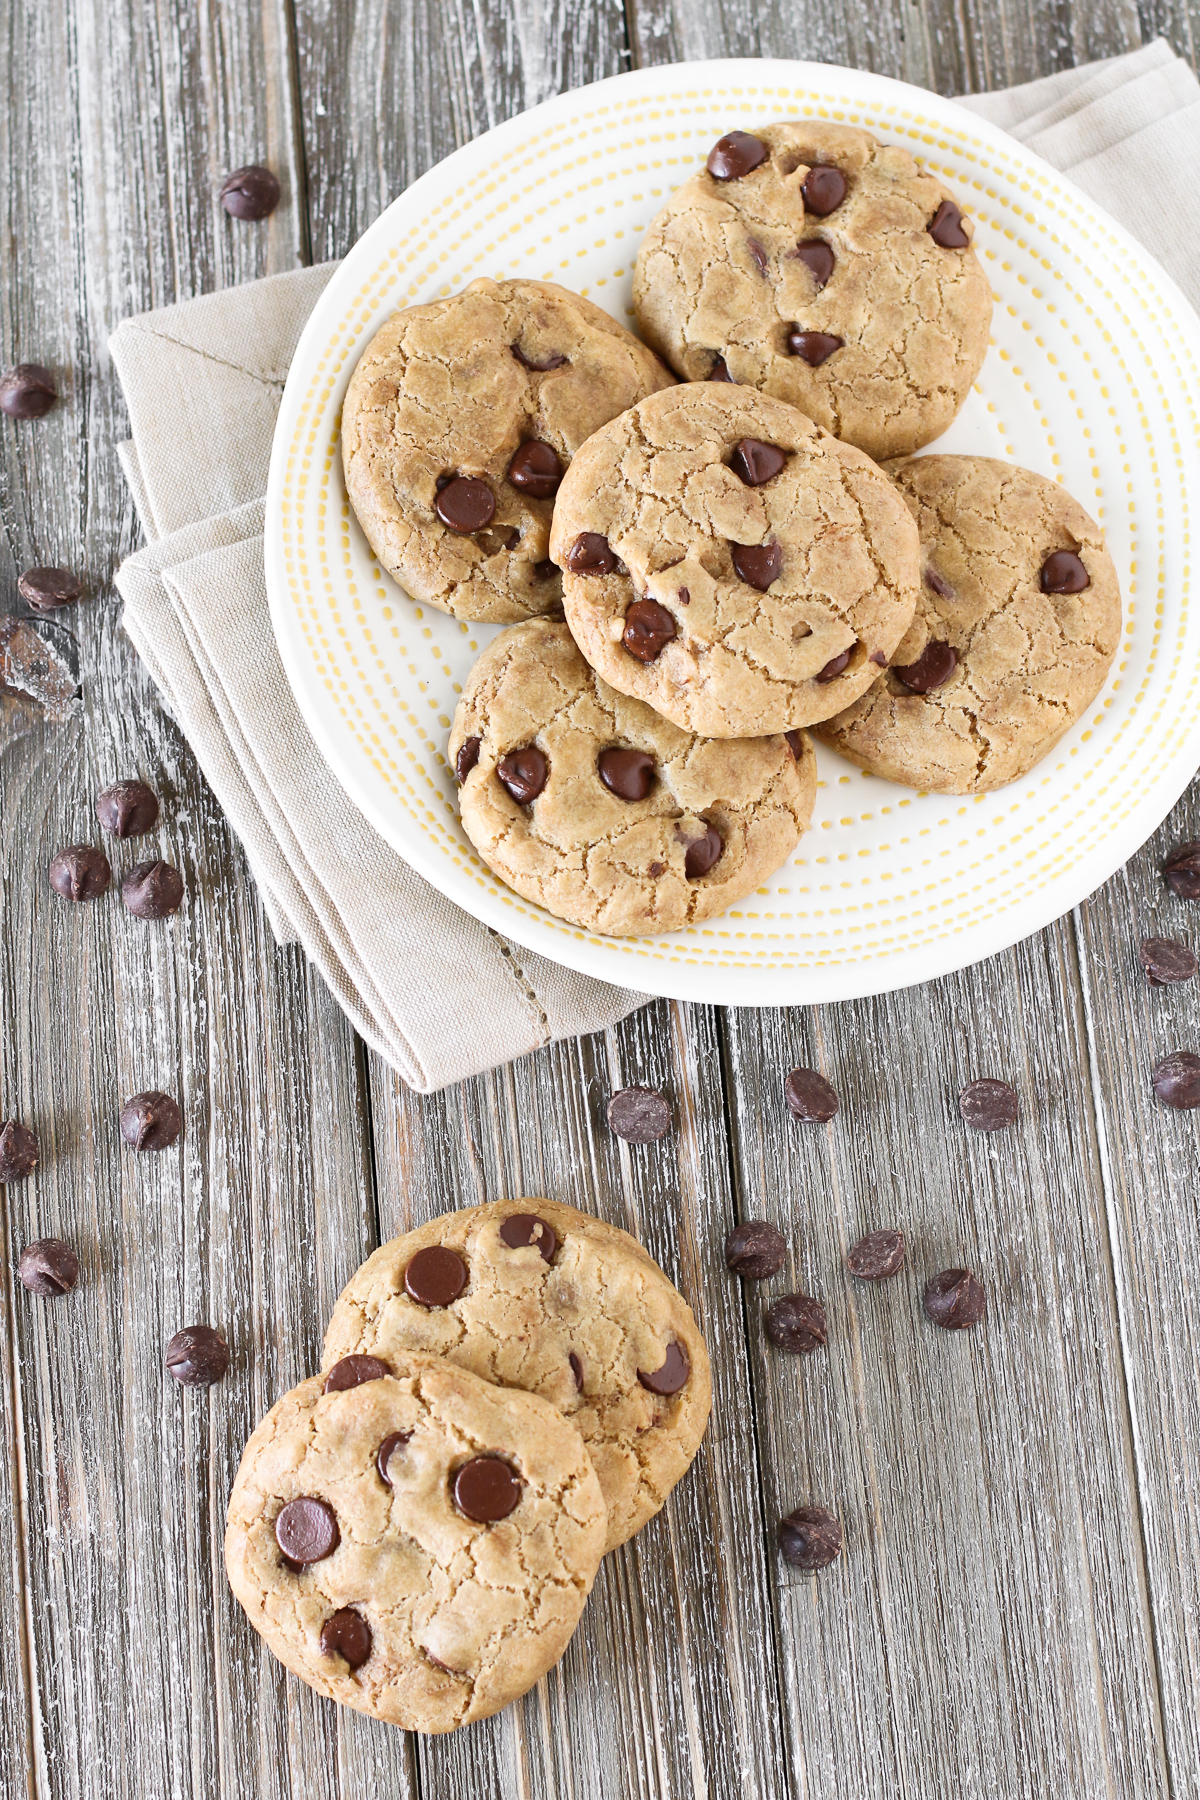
1018, 1608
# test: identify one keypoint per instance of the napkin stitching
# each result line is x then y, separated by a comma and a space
221, 362
522, 980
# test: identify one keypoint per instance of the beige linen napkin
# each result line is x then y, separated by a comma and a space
437, 994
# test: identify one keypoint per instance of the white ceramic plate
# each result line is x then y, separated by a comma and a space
1092, 378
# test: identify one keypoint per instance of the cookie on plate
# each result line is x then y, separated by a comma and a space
606, 814
414, 1542
731, 564
1018, 621
814, 262
533, 1294
458, 423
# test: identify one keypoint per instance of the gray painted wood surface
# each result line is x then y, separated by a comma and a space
1018, 1608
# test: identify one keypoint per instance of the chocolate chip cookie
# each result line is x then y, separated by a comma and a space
815, 263
731, 564
534, 1295
412, 1541
1018, 621
606, 814
458, 425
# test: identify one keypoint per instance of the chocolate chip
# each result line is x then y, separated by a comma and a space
545, 571
758, 565
939, 584
809, 1538
684, 597
523, 773
795, 743
590, 555
1181, 872
935, 665
719, 371
48, 1267
80, 873
755, 1250
27, 392
1177, 1080
1064, 573
649, 627
152, 890
945, 227
346, 1633
816, 347
629, 774
989, 1105
151, 1121
755, 462
435, 1276
656, 869
676, 1367
395, 1440
1165, 960
128, 809
486, 1489
18, 1151
468, 756
878, 658
954, 1299
306, 1530
836, 665
44, 589
735, 155
810, 1097
876, 1256
352, 1371
824, 189
818, 259
796, 1323
251, 192
521, 1229
539, 365
197, 1356
639, 1115
703, 853
465, 504
536, 469
759, 254
576, 1370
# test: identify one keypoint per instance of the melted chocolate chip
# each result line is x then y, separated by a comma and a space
346, 1633
49, 1267
735, 155
395, 1440
656, 869
128, 809
539, 364
809, 1538
45, 589
576, 1370
810, 1097
152, 890
1181, 872
629, 774
151, 1121
486, 1489
536, 469
468, 756
545, 571
684, 597
640, 1115
759, 254
719, 371
27, 392
251, 192
816, 347
824, 189
672, 1375
758, 565
795, 743
306, 1530
955, 1300
703, 853
935, 665
649, 628
465, 504
989, 1105
818, 259
523, 773
1165, 960
755, 1250
796, 1323
590, 554
435, 1276
522, 1229
18, 1151
946, 229
1064, 573
941, 587
836, 665
80, 872
352, 1371
1176, 1080
877, 1256
878, 658
197, 1356
754, 462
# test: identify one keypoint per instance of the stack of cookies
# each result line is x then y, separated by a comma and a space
507, 1393
695, 572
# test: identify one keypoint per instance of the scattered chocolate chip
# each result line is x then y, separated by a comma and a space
639, 1115
151, 1121
945, 227
824, 189
941, 587
629, 774
758, 565
523, 773
809, 1538
1064, 573
468, 756
80, 873
395, 1440
521, 1229
954, 1299
351, 1372
1177, 1080
818, 259
836, 665
128, 809
755, 1250
935, 665
536, 469
796, 1323
48, 1267
18, 1151
754, 462
719, 371
152, 890
735, 155
539, 365
703, 853
989, 1105
251, 192
197, 1356
673, 1374
810, 1097
1166, 960
878, 658
465, 504
576, 1370
27, 392
435, 1276
486, 1489
590, 554
816, 347
306, 1530
1181, 872
346, 1633
649, 627
795, 743
759, 254
876, 1256
45, 589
